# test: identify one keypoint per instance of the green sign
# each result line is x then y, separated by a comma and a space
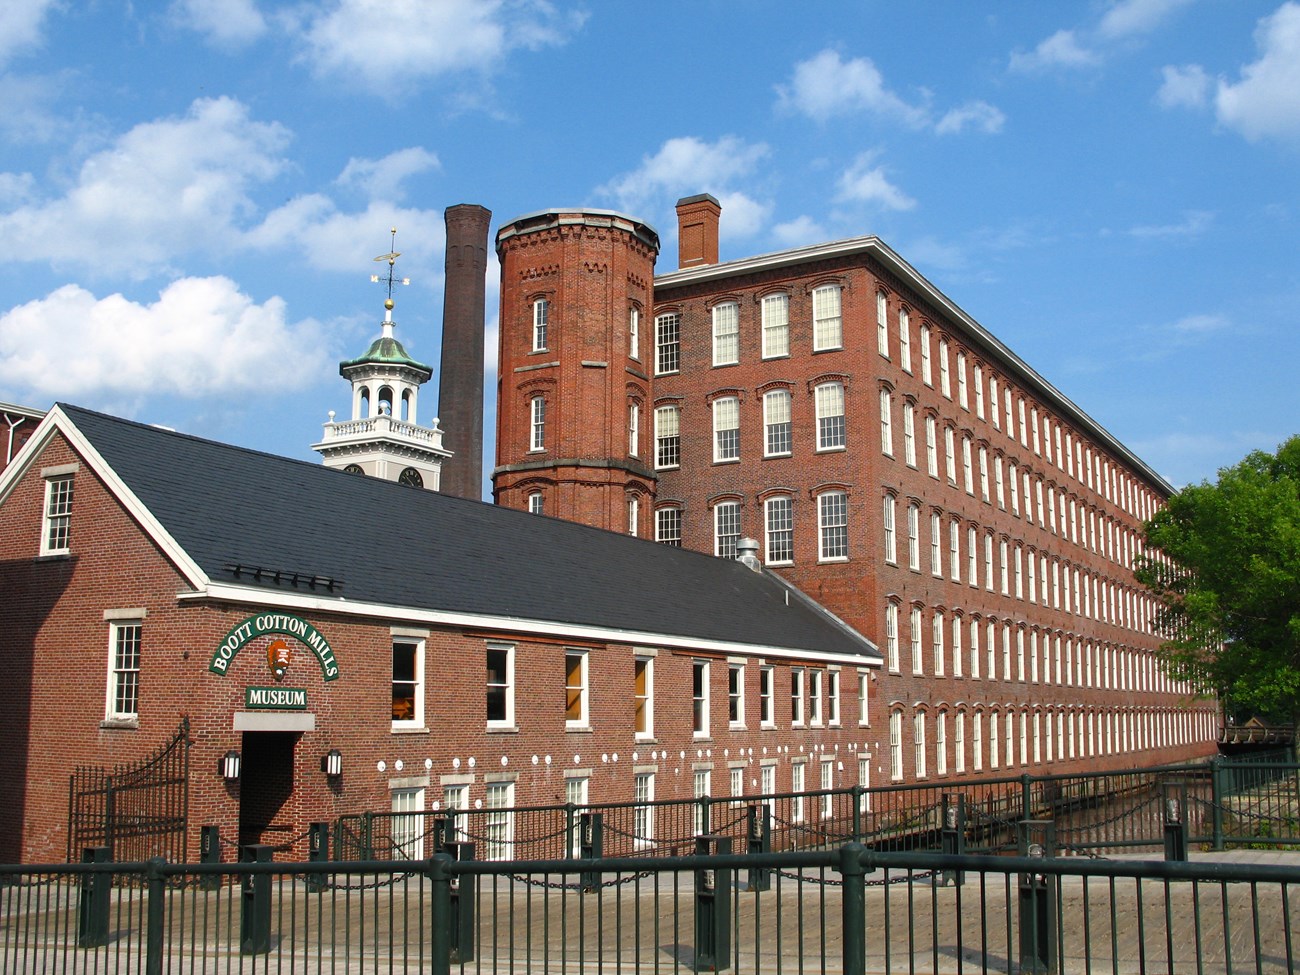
265, 624
275, 698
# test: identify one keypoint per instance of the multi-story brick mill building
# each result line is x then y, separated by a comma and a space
895, 460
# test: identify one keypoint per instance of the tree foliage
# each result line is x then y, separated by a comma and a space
1229, 583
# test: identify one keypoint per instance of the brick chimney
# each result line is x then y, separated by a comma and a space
697, 230
460, 384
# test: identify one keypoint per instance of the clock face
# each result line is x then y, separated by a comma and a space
411, 477
353, 469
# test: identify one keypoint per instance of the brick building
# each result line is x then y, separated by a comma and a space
896, 461
333, 644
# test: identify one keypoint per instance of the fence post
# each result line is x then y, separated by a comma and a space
1037, 900
210, 852
1175, 805
1026, 796
93, 900
367, 838
460, 906
572, 842
758, 830
440, 882
1218, 795
856, 792
156, 915
592, 845
952, 837
255, 918
318, 851
712, 908
853, 909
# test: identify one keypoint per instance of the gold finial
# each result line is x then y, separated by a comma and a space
391, 257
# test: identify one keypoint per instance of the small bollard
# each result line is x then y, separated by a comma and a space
1037, 901
93, 900
712, 908
1175, 830
462, 905
591, 843
255, 918
758, 832
318, 851
210, 852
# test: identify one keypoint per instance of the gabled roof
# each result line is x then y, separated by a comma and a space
402, 553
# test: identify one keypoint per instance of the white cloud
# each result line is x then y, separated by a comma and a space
1129, 17
164, 187
202, 337
980, 114
226, 24
864, 183
1266, 101
1061, 50
1184, 87
332, 240
20, 25
799, 232
824, 86
382, 44
1195, 326
684, 166
743, 216
1195, 223
383, 178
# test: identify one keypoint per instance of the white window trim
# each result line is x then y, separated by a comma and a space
116, 626
416, 721
507, 722
583, 688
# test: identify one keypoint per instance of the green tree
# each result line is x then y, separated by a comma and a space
1229, 587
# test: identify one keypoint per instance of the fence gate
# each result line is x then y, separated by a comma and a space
138, 811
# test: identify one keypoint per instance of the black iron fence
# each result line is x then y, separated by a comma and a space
849, 909
1223, 803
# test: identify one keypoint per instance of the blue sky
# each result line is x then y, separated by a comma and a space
192, 192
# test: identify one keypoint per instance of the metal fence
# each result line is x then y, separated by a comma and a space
848, 909
1224, 803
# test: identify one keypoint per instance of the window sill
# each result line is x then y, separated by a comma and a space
838, 558
737, 727
503, 729
120, 724
831, 450
54, 556
778, 456
406, 729
577, 729
726, 460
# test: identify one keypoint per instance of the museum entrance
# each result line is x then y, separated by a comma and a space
266, 784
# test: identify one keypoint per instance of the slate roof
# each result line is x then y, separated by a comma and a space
395, 545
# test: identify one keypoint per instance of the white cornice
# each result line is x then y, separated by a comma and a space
225, 592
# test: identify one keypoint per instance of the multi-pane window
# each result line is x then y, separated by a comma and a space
968, 477
896, 745
915, 629
904, 340
634, 429
909, 434
950, 454
779, 517
993, 403
936, 546
882, 324
535, 504
829, 398
537, 438
931, 446
668, 349
945, 380
833, 525
833, 697
576, 791
455, 799
726, 528
541, 319
926, 375
575, 689
668, 437
124, 670
828, 783
736, 695
886, 424
408, 683
58, 515
796, 697
864, 698
776, 422
914, 538
978, 379
499, 823
643, 696
941, 743
634, 332
408, 824
726, 428
797, 787
766, 696
776, 326
984, 474
634, 516
954, 549
918, 744
828, 323
963, 396
668, 526
643, 812
700, 698
891, 635
937, 651
891, 546
726, 333
500, 686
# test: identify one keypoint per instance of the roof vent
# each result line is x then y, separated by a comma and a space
747, 553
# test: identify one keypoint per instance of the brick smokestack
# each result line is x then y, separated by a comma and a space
697, 230
460, 383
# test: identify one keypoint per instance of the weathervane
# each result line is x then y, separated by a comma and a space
391, 257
